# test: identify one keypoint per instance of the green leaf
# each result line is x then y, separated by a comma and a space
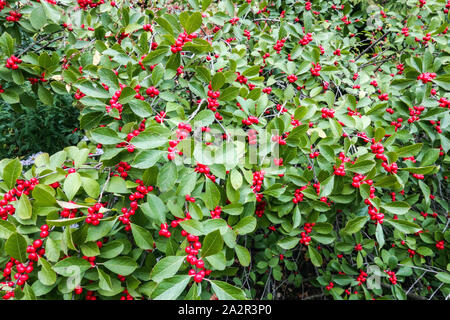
225, 291
212, 244
6, 229
47, 276
154, 208
155, 57
404, 226
140, 108
323, 227
121, 265
243, 255
212, 195
105, 135
142, 237
327, 186
409, 151
217, 81
38, 18
11, 172
315, 256
65, 222
245, 225
104, 280
72, 185
16, 247
193, 23
24, 209
379, 235
288, 242
146, 159
71, 267
236, 179
443, 277
361, 167
397, 207
90, 249
229, 94
171, 288
355, 224
44, 195
117, 185
204, 118
192, 226
95, 233
166, 268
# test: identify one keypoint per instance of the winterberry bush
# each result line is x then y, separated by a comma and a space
235, 150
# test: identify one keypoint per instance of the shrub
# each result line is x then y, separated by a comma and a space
40, 128
249, 150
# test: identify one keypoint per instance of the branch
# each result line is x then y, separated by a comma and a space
372, 45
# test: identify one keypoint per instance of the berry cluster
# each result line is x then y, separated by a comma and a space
298, 196
85, 4
78, 95
203, 168
164, 230
247, 34
305, 239
426, 77
279, 45
147, 27
440, 245
152, 92
307, 38
13, 62
192, 259
68, 213
383, 97
250, 120
314, 154
361, 278
260, 208
390, 168
113, 102
315, 71
339, 171
327, 113
160, 117
279, 139
444, 103
183, 38
392, 277
215, 214
94, 215
373, 212
252, 140
91, 260
213, 103
415, 112
308, 227
358, 180
258, 179
14, 16
292, 78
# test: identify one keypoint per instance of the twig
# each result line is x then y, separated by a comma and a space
372, 45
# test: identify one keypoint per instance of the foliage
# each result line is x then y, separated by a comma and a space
39, 128
343, 105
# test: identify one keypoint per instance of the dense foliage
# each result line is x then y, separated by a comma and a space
249, 150
37, 128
